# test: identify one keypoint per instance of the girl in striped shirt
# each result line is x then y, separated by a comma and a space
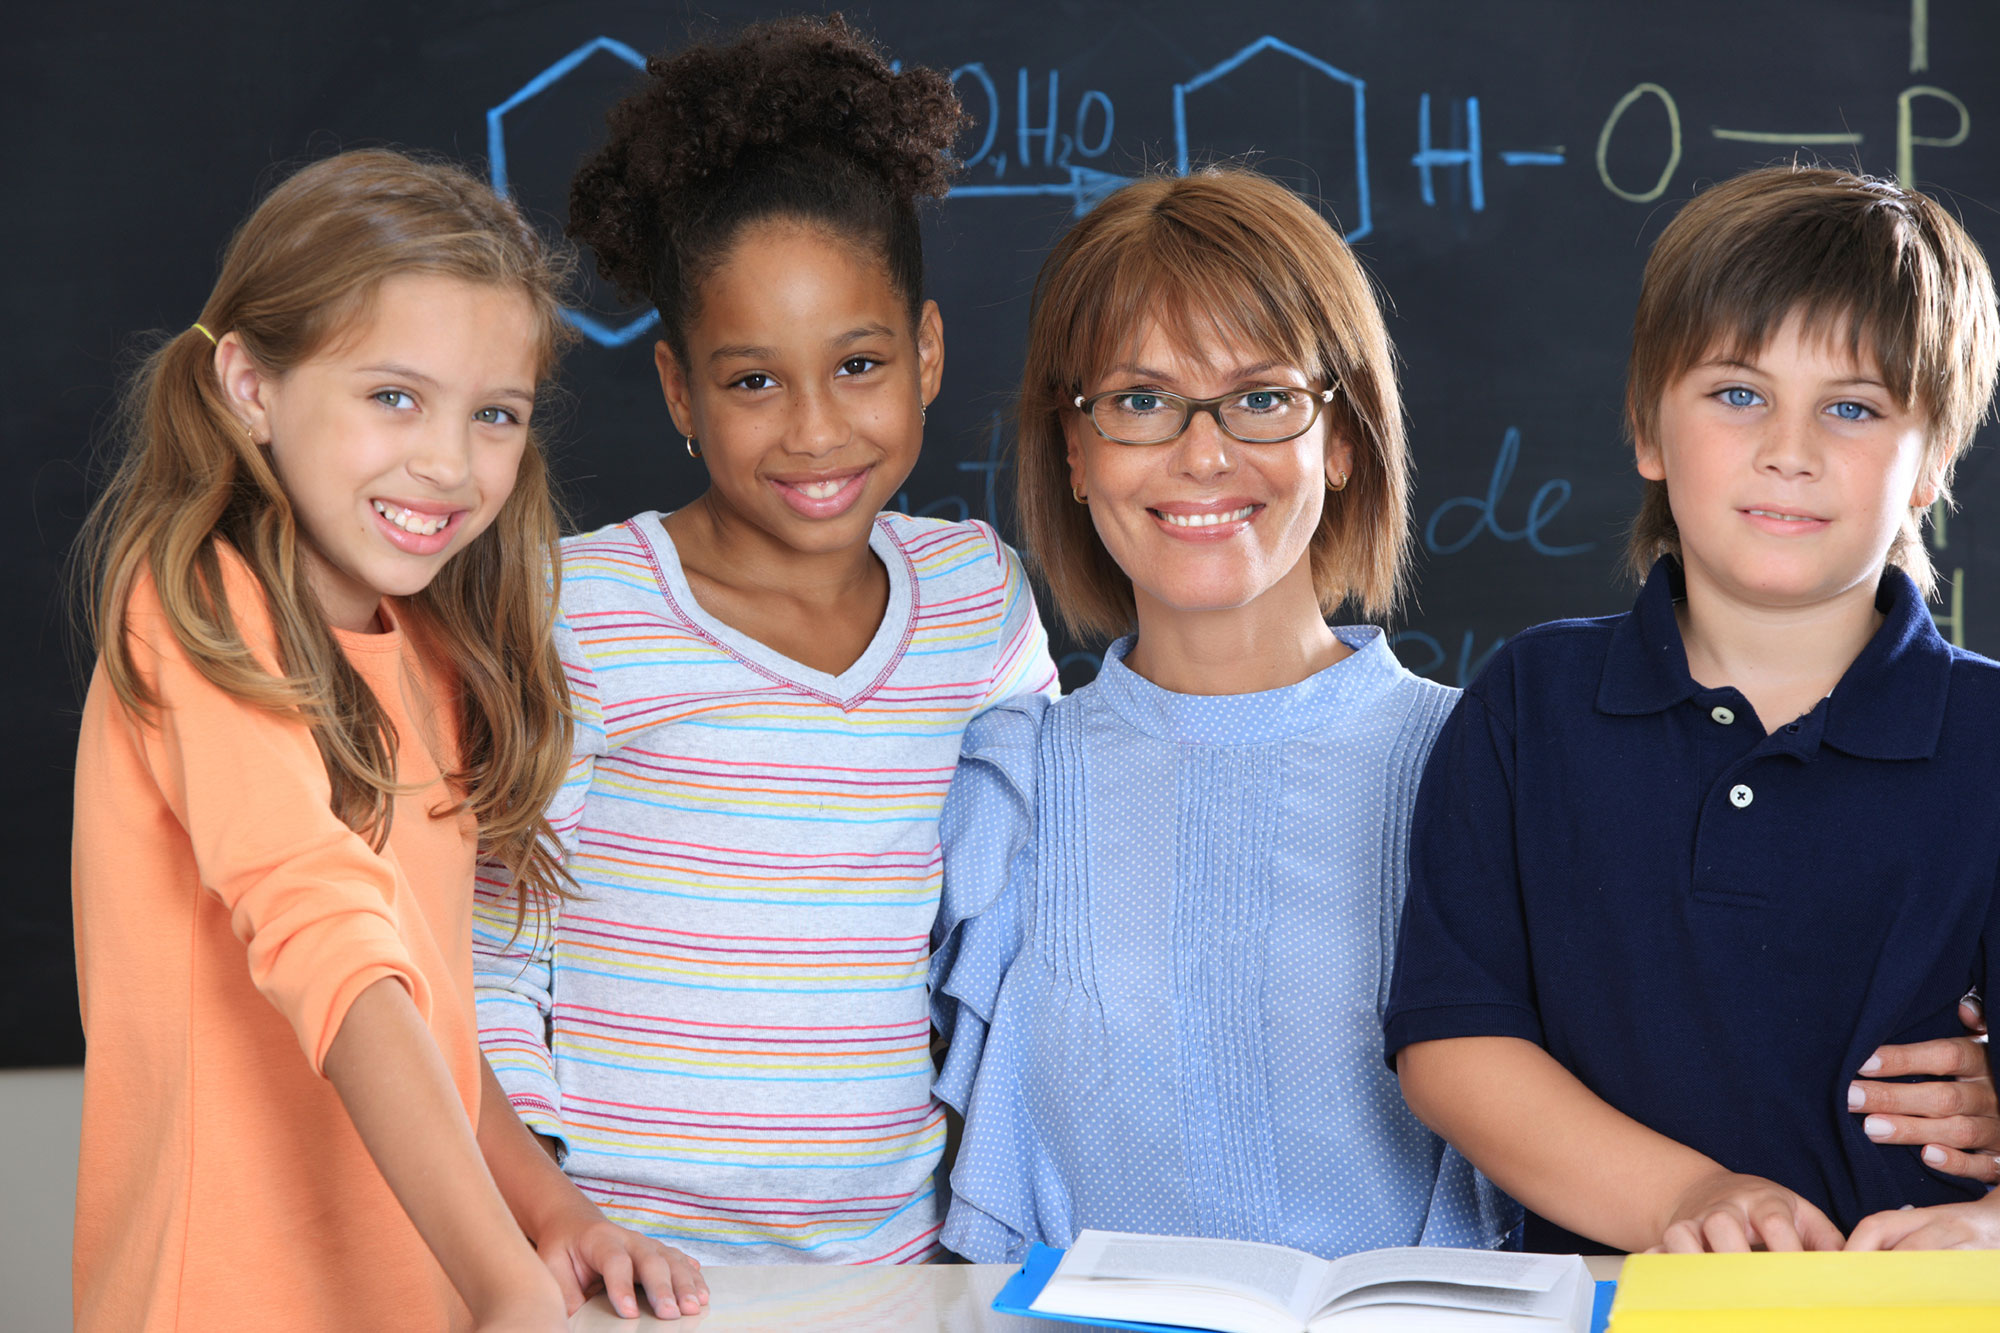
725, 1038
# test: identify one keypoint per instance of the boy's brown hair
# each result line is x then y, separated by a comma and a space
1224, 253
1895, 268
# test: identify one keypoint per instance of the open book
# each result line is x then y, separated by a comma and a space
1243, 1287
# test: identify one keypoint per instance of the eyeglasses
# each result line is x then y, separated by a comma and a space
1271, 414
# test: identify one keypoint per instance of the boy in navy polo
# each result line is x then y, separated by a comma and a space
1676, 874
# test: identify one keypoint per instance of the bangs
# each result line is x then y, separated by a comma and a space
1857, 285
1851, 258
1206, 281
1198, 297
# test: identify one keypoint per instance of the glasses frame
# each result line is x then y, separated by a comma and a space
1213, 406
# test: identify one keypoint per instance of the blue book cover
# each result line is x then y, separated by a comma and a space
1022, 1288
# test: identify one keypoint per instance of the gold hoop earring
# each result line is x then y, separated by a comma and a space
1076, 493
694, 450
1340, 485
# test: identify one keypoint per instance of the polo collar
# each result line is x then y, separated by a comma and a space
1646, 670
1890, 703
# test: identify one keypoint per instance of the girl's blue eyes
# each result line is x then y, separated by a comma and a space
402, 401
1852, 411
1736, 396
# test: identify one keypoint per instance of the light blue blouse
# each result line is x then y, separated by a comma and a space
1162, 958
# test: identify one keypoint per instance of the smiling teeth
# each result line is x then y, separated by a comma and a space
1210, 520
409, 520
820, 490
1787, 518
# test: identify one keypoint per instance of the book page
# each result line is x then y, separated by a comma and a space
1431, 1319
1460, 1268
1446, 1295
1272, 1274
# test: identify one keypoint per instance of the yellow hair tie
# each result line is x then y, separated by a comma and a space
205, 333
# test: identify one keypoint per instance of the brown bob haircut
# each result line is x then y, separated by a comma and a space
1222, 255
1887, 268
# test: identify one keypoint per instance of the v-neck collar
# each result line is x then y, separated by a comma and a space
852, 686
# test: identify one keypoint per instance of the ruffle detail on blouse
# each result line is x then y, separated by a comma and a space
986, 826
1467, 1210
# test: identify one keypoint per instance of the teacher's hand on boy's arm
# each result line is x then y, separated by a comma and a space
580, 1246
1538, 1133
1945, 1226
1954, 1116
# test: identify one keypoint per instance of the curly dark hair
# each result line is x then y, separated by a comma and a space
798, 118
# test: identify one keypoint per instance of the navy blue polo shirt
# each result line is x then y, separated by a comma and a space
1712, 926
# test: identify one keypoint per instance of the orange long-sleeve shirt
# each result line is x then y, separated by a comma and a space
225, 920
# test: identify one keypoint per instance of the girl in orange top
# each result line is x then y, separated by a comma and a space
325, 684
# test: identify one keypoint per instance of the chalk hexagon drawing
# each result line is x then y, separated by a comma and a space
597, 330
1365, 223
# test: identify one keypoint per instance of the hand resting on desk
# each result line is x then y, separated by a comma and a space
1726, 1212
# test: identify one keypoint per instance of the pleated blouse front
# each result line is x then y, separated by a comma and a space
1162, 957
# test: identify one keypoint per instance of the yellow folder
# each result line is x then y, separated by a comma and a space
1935, 1291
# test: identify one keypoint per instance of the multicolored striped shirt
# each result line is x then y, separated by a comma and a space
729, 1033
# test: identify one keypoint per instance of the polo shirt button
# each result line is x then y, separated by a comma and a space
1722, 715
1740, 796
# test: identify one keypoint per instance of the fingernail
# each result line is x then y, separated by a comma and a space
1871, 1064
1856, 1098
1934, 1155
1877, 1127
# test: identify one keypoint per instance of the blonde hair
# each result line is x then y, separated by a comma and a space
1228, 254
1892, 266
299, 272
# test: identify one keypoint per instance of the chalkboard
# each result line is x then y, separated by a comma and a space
1502, 168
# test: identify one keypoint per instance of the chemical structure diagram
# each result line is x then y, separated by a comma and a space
1056, 153
1036, 145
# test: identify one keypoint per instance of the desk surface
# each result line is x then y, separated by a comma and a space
920, 1298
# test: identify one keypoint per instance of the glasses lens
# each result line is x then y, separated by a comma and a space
1138, 417
1269, 414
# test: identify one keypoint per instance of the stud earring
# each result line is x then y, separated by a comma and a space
694, 450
